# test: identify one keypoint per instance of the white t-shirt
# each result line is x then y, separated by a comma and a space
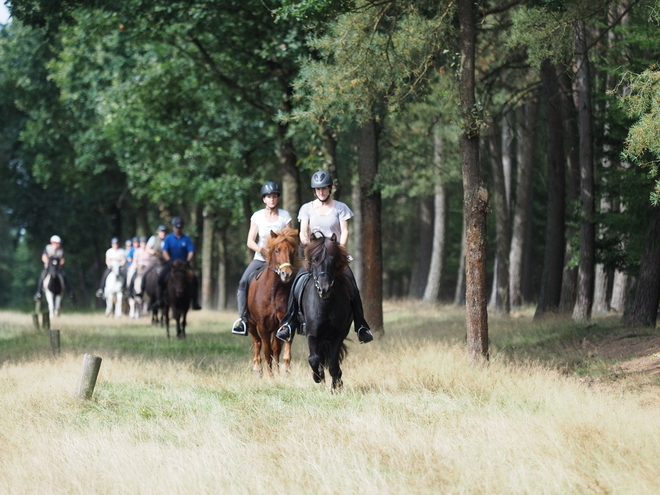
265, 226
327, 224
116, 256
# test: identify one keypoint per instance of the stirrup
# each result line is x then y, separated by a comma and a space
284, 333
239, 327
99, 293
364, 334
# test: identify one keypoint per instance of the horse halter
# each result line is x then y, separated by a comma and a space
278, 270
317, 284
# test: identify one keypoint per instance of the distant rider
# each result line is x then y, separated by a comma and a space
114, 257
52, 250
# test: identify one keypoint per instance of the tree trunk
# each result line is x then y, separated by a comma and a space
585, 284
500, 301
355, 239
287, 161
572, 143
425, 245
371, 228
553, 261
329, 150
474, 193
222, 266
438, 256
643, 310
207, 260
527, 121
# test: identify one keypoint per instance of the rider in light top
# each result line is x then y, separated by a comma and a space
52, 250
327, 216
262, 222
178, 246
114, 257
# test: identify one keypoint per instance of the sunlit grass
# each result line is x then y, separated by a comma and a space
189, 417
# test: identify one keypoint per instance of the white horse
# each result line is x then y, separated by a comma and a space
53, 287
135, 293
113, 291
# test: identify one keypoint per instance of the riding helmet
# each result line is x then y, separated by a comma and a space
135, 239
161, 228
270, 188
321, 179
56, 238
143, 239
114, 240
177, 222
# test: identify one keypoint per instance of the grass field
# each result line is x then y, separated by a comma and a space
549, 414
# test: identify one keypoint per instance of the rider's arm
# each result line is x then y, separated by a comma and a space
44, 258
108, 261
343, 238
190, 255
304, 231
252, 238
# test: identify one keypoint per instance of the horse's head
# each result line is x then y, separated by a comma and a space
325, 260
53, 265
281, 255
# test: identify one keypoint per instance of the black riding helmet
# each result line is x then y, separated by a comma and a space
177, 222
270, 188
321, 179
162, 228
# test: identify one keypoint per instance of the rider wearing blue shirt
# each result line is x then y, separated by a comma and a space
177, 246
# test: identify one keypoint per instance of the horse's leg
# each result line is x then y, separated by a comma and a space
334, 368
166, 318
276, 345
286, 358
256, 350
58, 302
268, 351
315, 361
183, 324
118, 303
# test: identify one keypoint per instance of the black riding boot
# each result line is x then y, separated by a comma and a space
37, 295
240, 325
360, 324
290, 322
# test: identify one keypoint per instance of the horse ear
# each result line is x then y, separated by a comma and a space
273, 234
334, 238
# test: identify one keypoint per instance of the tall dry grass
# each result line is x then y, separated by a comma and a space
413, 417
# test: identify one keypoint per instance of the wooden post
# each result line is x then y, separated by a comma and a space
55, 342
91, 366
46, 320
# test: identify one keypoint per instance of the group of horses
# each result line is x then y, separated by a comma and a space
142, 292
324, 302
325, 308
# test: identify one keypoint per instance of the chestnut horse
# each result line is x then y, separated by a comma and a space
267, 300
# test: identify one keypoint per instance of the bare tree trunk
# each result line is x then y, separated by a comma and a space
371, 229
222, 266
572, 142
585, 286
556, 209
425, 246
207, 260
619, 291
287, 161
438, 255
527, 122
644, 308
500, 301
474, 193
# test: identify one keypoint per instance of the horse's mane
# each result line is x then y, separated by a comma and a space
286, 235
320, 247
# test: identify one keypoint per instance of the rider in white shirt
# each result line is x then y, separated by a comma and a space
114, 257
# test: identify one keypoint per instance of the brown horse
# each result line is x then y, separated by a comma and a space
178, 296
267, 300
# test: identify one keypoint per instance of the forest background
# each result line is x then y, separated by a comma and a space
115, 117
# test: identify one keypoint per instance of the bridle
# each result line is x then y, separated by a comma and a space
278, 270
316, 277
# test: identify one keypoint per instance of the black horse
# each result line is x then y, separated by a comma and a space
150, 289
326, 305
178, 296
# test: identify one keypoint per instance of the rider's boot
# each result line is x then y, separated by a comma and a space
240, 325
360, 324
289, 323
37, 296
